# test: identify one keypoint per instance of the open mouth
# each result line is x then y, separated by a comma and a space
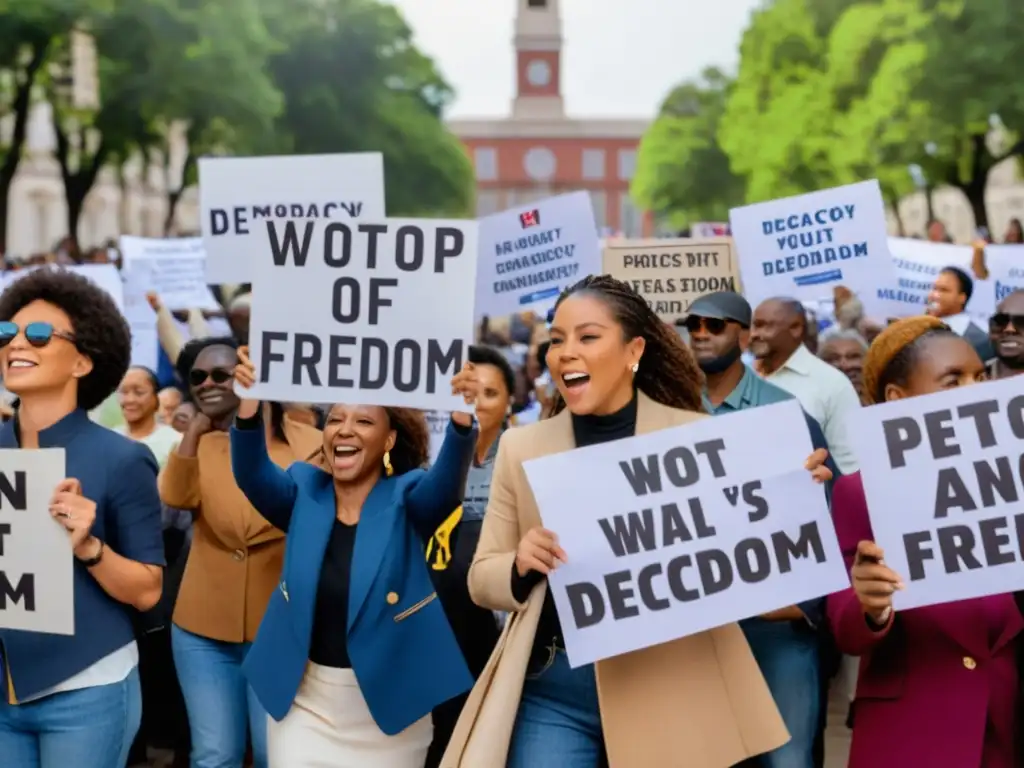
346, 456
211, 396
20, 365
575, 381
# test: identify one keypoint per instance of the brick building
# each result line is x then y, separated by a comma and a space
538, 150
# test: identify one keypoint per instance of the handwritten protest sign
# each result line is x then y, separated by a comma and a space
374, 313
529, 255
672, 274
804, 246
238, 195
942, 479
682, 530
36, 563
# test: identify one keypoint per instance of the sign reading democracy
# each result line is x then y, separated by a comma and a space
378, 313
942, 479
805, 246
36, 563
672, 274
686, 529
529, 255
238, 195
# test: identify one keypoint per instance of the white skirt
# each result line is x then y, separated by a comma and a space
329, 726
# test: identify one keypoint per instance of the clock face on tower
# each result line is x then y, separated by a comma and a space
538, 73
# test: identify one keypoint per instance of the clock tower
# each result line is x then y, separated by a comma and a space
538, 45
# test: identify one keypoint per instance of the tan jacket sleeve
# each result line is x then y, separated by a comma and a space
197, 324
170, 337
179, 482
490, 576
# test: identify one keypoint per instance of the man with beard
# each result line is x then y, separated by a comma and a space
1006, 332
785, 642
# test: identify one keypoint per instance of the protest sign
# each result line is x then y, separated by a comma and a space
529, 255
377, 313
804, 246
917, 263
437, 422
238, 195
1006, 273
36, 563
174, 268
685, 529
942, 479
672, 274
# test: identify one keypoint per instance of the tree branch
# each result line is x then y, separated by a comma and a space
1014, 151
22, 103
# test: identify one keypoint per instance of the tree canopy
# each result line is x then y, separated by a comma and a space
244, 77
833, 91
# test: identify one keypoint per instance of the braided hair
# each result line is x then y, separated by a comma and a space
668, 372
896, 350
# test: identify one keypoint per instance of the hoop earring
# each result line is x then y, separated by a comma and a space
388, 469
634, 368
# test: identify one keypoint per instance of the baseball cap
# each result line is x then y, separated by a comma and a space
721, 305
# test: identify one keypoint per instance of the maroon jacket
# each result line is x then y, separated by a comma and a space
938, 686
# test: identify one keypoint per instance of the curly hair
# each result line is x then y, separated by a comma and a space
101, 332
412, 441
896, 350
668, 372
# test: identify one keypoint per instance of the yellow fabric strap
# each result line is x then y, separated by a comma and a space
439, 553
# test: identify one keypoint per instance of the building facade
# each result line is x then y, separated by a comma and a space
538, 150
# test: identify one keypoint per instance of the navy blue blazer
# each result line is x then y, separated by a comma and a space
403, 651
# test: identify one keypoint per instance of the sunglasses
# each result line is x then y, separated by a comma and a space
198, 377
712, 325
1000, 322
37, 334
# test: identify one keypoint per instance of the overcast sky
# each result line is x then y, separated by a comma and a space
621, 57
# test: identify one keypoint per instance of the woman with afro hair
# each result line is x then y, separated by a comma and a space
76, 700
937, 685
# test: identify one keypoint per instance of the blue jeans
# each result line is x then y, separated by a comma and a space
91, 727
222, 709
559, 721
788, 657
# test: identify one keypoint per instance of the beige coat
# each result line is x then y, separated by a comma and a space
697, 702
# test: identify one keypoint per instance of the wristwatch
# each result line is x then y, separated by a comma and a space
95, 559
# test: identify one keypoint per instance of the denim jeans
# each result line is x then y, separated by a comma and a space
559, 722
91, 727
222, 709
788, 656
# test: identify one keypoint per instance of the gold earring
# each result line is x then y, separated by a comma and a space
388, 469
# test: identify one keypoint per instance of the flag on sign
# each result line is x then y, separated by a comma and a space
530, 219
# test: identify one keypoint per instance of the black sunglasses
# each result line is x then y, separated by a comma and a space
197, 376
1000, 321
37, 334
712, 325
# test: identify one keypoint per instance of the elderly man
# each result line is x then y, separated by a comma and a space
844, 350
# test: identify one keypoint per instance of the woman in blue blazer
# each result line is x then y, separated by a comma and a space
354, 650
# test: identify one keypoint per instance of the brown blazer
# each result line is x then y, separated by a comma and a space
697, 702
236, 557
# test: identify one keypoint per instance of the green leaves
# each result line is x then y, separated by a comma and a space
835, 91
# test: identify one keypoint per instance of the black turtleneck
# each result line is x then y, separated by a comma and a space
587, 430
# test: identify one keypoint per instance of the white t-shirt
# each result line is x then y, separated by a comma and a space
161, 441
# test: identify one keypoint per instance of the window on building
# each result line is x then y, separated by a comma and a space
593, 164
537, 3
600, 203
485, 159
627, 164
630, 220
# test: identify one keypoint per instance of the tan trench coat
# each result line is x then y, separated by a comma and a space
697, 702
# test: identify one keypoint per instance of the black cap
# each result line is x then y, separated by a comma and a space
722, 305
